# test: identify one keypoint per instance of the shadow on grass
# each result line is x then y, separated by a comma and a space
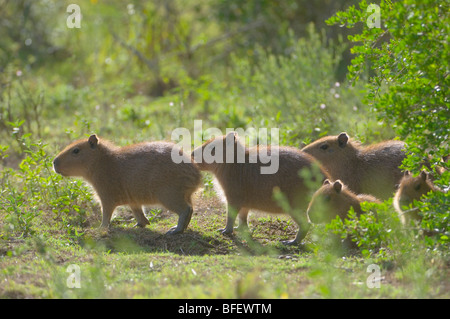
191, 242
134, 240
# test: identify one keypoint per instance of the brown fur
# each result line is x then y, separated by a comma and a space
335, 199
245, 188
412, 189
370, 169
135, 175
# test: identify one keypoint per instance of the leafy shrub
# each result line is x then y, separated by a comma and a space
34, 190
435, 223
372, 232
408, 59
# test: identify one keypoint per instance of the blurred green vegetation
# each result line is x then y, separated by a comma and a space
147, 67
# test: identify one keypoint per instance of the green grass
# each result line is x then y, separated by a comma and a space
127, 262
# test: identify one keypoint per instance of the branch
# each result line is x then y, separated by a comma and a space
151, 64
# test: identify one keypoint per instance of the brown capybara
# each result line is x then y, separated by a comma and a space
412, 189
246, 187
134, 175
370, 169
335, 199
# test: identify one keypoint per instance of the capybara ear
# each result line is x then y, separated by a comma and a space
93, 141
423, 175
326, 182
343, 139
407, 173
337, 186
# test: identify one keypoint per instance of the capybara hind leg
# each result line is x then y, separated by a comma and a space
303, 227
183, 222
176, 203
301, 234
138, 213
231, 217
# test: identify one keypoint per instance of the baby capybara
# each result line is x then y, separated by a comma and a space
246, 188
134, 175
412, 189
335, 199
370, 169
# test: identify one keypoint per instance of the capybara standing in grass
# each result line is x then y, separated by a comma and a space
412, 189
246, 188
134, 175
335, 199
370, 169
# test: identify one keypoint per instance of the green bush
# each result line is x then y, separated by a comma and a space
34, 190
407, 57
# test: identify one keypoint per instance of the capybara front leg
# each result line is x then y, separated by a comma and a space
242, 220
107, 211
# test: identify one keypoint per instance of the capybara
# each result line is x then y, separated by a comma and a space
246, 188
134, 175
335, 199
412, 189
370, 169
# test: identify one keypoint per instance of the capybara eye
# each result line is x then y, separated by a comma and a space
324, 147
76, 150
417, 187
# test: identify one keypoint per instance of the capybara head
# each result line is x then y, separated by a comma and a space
77, 158
334, 199
329, 147
413, 188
